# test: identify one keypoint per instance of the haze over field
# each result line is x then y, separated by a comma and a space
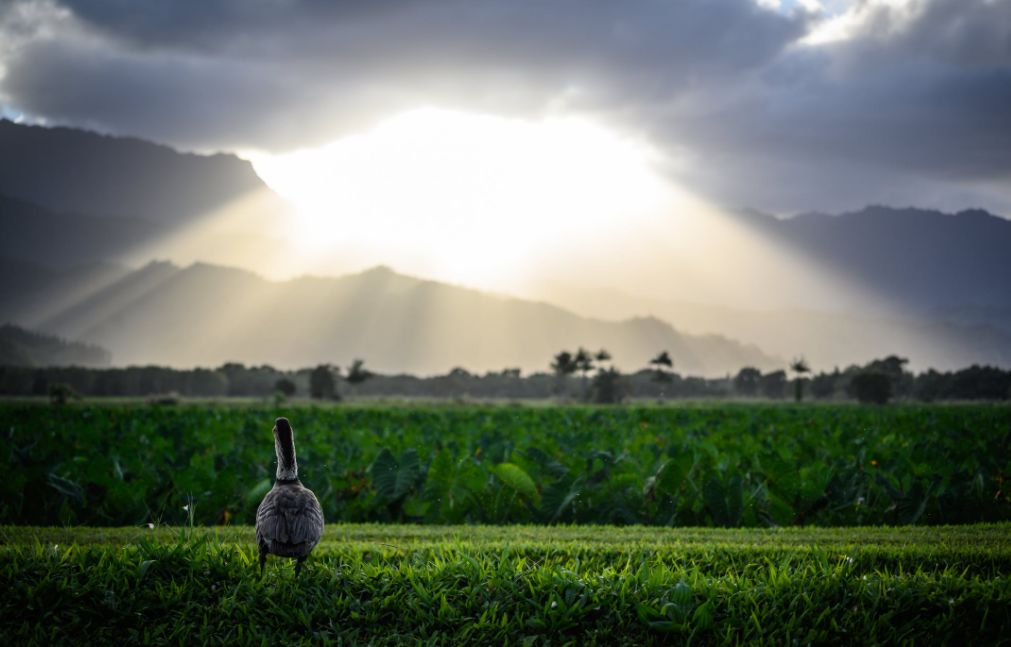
691, 176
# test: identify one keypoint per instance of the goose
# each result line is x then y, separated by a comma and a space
289, 521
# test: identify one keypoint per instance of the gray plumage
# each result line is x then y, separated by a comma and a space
289, 521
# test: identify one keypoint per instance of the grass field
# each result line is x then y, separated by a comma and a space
517, 585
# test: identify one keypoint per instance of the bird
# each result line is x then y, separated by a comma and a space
289, 521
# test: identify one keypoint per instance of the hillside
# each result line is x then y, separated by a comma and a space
945, 339
918, 259
925, 285
20, 347
207, 315
78, 171
32, 233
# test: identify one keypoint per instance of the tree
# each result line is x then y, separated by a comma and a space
662, 363
773, 385
608, 387
746, 382
322, 385
583, 361
823, 385
893, 367
203, 381
660, 372
285, 387
799, 368
60, 392
871, 387
584, 364
602, 356
563, 366
357, 373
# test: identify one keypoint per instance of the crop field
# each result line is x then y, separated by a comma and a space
394, 584
703, 524
749, 465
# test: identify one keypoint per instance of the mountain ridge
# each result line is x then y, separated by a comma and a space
26, 348
205, 314
72, 170
917, 259
942, 276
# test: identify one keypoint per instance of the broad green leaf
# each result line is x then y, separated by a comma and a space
517, 479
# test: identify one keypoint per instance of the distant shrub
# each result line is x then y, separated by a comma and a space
60, 393
285, 386
871, 387
164, 399
322, 385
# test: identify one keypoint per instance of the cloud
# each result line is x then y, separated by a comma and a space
913, 105
904, 97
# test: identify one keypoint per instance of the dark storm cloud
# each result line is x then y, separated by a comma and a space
761, 119
908, 106
326, 65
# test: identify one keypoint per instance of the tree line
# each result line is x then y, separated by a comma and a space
580, 375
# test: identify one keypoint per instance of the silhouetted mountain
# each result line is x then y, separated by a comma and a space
70, 197
30, 292
20, 347
207, 315
76, 171
917, 259
35, 234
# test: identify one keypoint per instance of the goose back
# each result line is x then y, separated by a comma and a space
289, 521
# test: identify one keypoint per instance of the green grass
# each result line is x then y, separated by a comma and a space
517, 585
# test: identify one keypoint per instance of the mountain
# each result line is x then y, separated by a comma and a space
76, 171
208, 315
30, 292
945, 340
918, 260
924, 284
70, 197
20, 347
32, 233
77, 209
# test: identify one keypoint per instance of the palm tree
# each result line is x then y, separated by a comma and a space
563, 365
661, 364
357, 373
584, 364
799, 367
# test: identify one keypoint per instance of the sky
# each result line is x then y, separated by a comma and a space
785, 106
593, 154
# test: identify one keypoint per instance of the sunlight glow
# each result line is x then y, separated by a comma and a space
844, 25
461, 196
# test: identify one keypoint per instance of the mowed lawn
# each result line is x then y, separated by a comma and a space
395, 584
